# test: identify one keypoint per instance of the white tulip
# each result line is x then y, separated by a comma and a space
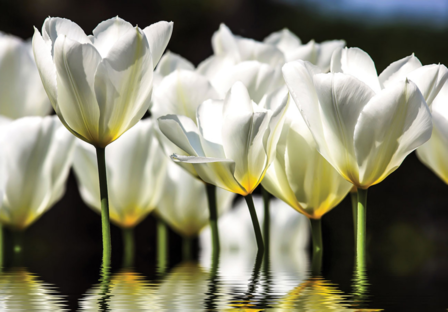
318, 54
299, 175
364, 133
234, 142
38, 154
136, 168
184, 205
434, 153
99, 85
21, 90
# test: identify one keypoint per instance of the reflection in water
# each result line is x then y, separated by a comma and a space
236, 282
125, 290
314, 294
360, 287
22, 290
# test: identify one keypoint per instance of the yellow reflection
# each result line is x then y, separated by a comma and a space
317, 294
127, 291
21, 290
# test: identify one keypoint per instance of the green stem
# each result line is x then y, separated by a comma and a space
187, 243
211, 196
316, 230
107, 246
103, 300
354, 198
256, 225
361, 230
267, 219
162, 246
129, 247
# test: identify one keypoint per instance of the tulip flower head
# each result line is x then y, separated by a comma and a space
299, 175
38, 155
362, 131
184, 205
21, 90
135, 170
99, 85
234, 142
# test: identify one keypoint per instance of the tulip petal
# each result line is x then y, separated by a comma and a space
298, 76
158, 35
398, 70
216, 171
342, 98
214, 65
55, 26
180, 93
76, 64
108, 33
326, 50
358, 63
257, 77
430, 80
210, 119
183, 132
284, 39
170, 62
123, 84
45, 65
434, 152
307, 52
19, 72
224, 43
250, 49
393, 124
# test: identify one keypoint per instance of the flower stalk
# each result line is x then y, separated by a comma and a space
255, 223
162, 246
361, 230
107, 246
213, 219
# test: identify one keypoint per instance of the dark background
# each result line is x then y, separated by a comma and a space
407, 213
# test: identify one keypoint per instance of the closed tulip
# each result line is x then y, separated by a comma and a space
99, 85
233, 144
318, 54
21, 90
38, 155
136, 172
168, 63
364, 133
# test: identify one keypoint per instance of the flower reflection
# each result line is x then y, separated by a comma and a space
21, 290
127, 290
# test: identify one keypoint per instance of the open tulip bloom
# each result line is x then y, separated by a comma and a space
301, 177
362, 130
99, 85
233, 144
